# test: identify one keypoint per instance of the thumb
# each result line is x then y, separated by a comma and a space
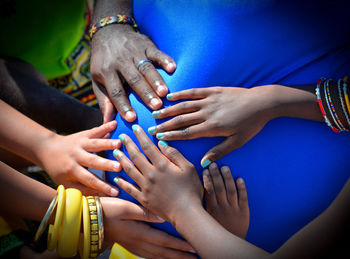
221, 150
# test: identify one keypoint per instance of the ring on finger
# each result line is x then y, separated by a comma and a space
143, 61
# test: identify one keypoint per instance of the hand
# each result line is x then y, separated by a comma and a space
224, 203
235, 113
116, 51
167, 185
65, 158
121, 226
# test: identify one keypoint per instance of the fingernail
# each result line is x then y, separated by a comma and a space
115, 152
114, 192
151, 130
130, 115
116, 165
155, 102
171, 65
115, 180
206, 172
169, 96
155, 114
134, 127
160, 135
240, 181
116, 144
206, 163
160, 218
163, 143
162, 89
224, 169
121, 137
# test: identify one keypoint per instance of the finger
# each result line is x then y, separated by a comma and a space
218, 183
154, 78
210, 198
190, 132
220, 150
135, 154
100, 131
180, 121
163, 239
180, 108
129, 188
106, 106
90, 180
166, 62
98, 145
151, 151
242, 193
129, 167
99, 163
231, 191
194, 93
141, 87
118, 97
173, 155
84, 189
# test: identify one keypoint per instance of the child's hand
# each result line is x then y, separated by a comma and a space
232, 112
66, 158
167, 184
224, 203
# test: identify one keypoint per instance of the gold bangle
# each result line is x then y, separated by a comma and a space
54, 229
85, 242
45, 220
94, 236
68, 240
100, 223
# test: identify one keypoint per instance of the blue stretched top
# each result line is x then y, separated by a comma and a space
293, 168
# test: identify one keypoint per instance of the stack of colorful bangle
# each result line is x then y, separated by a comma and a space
334, 103
65, 235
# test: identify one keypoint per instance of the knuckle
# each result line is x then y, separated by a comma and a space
117, 93
146, 146
133, 155
69, 167
147, 93
185, 132
128, 188
127, 168
146, 67
172, 153
151, 177
179, 120
134, 79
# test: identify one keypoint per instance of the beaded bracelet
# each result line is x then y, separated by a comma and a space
331, 107
319, 101
345, 89
119, 18
342, 102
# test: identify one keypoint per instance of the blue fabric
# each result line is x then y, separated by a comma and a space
293, 168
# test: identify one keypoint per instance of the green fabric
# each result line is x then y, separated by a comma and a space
43, 33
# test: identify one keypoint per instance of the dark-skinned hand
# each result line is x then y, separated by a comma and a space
116, 51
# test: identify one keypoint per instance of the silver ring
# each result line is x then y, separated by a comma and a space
142, 62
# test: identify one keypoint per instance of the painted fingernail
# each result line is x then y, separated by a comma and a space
116, 165
160, 135
115, 180
155, 102
163, 143
114, 192
169, 96
206, 163
155, 114
121, 137
151, 130
134, 127
130, 115
115, 152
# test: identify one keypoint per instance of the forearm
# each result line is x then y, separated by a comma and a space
21, 135
104, 8
289, 101
202, 231
23, 196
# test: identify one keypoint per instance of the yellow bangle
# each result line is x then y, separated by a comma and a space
68, 240
100, 223
54, 229
94, 237
85, 240
45, 220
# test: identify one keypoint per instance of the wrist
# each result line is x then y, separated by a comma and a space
179, 214
45, 147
